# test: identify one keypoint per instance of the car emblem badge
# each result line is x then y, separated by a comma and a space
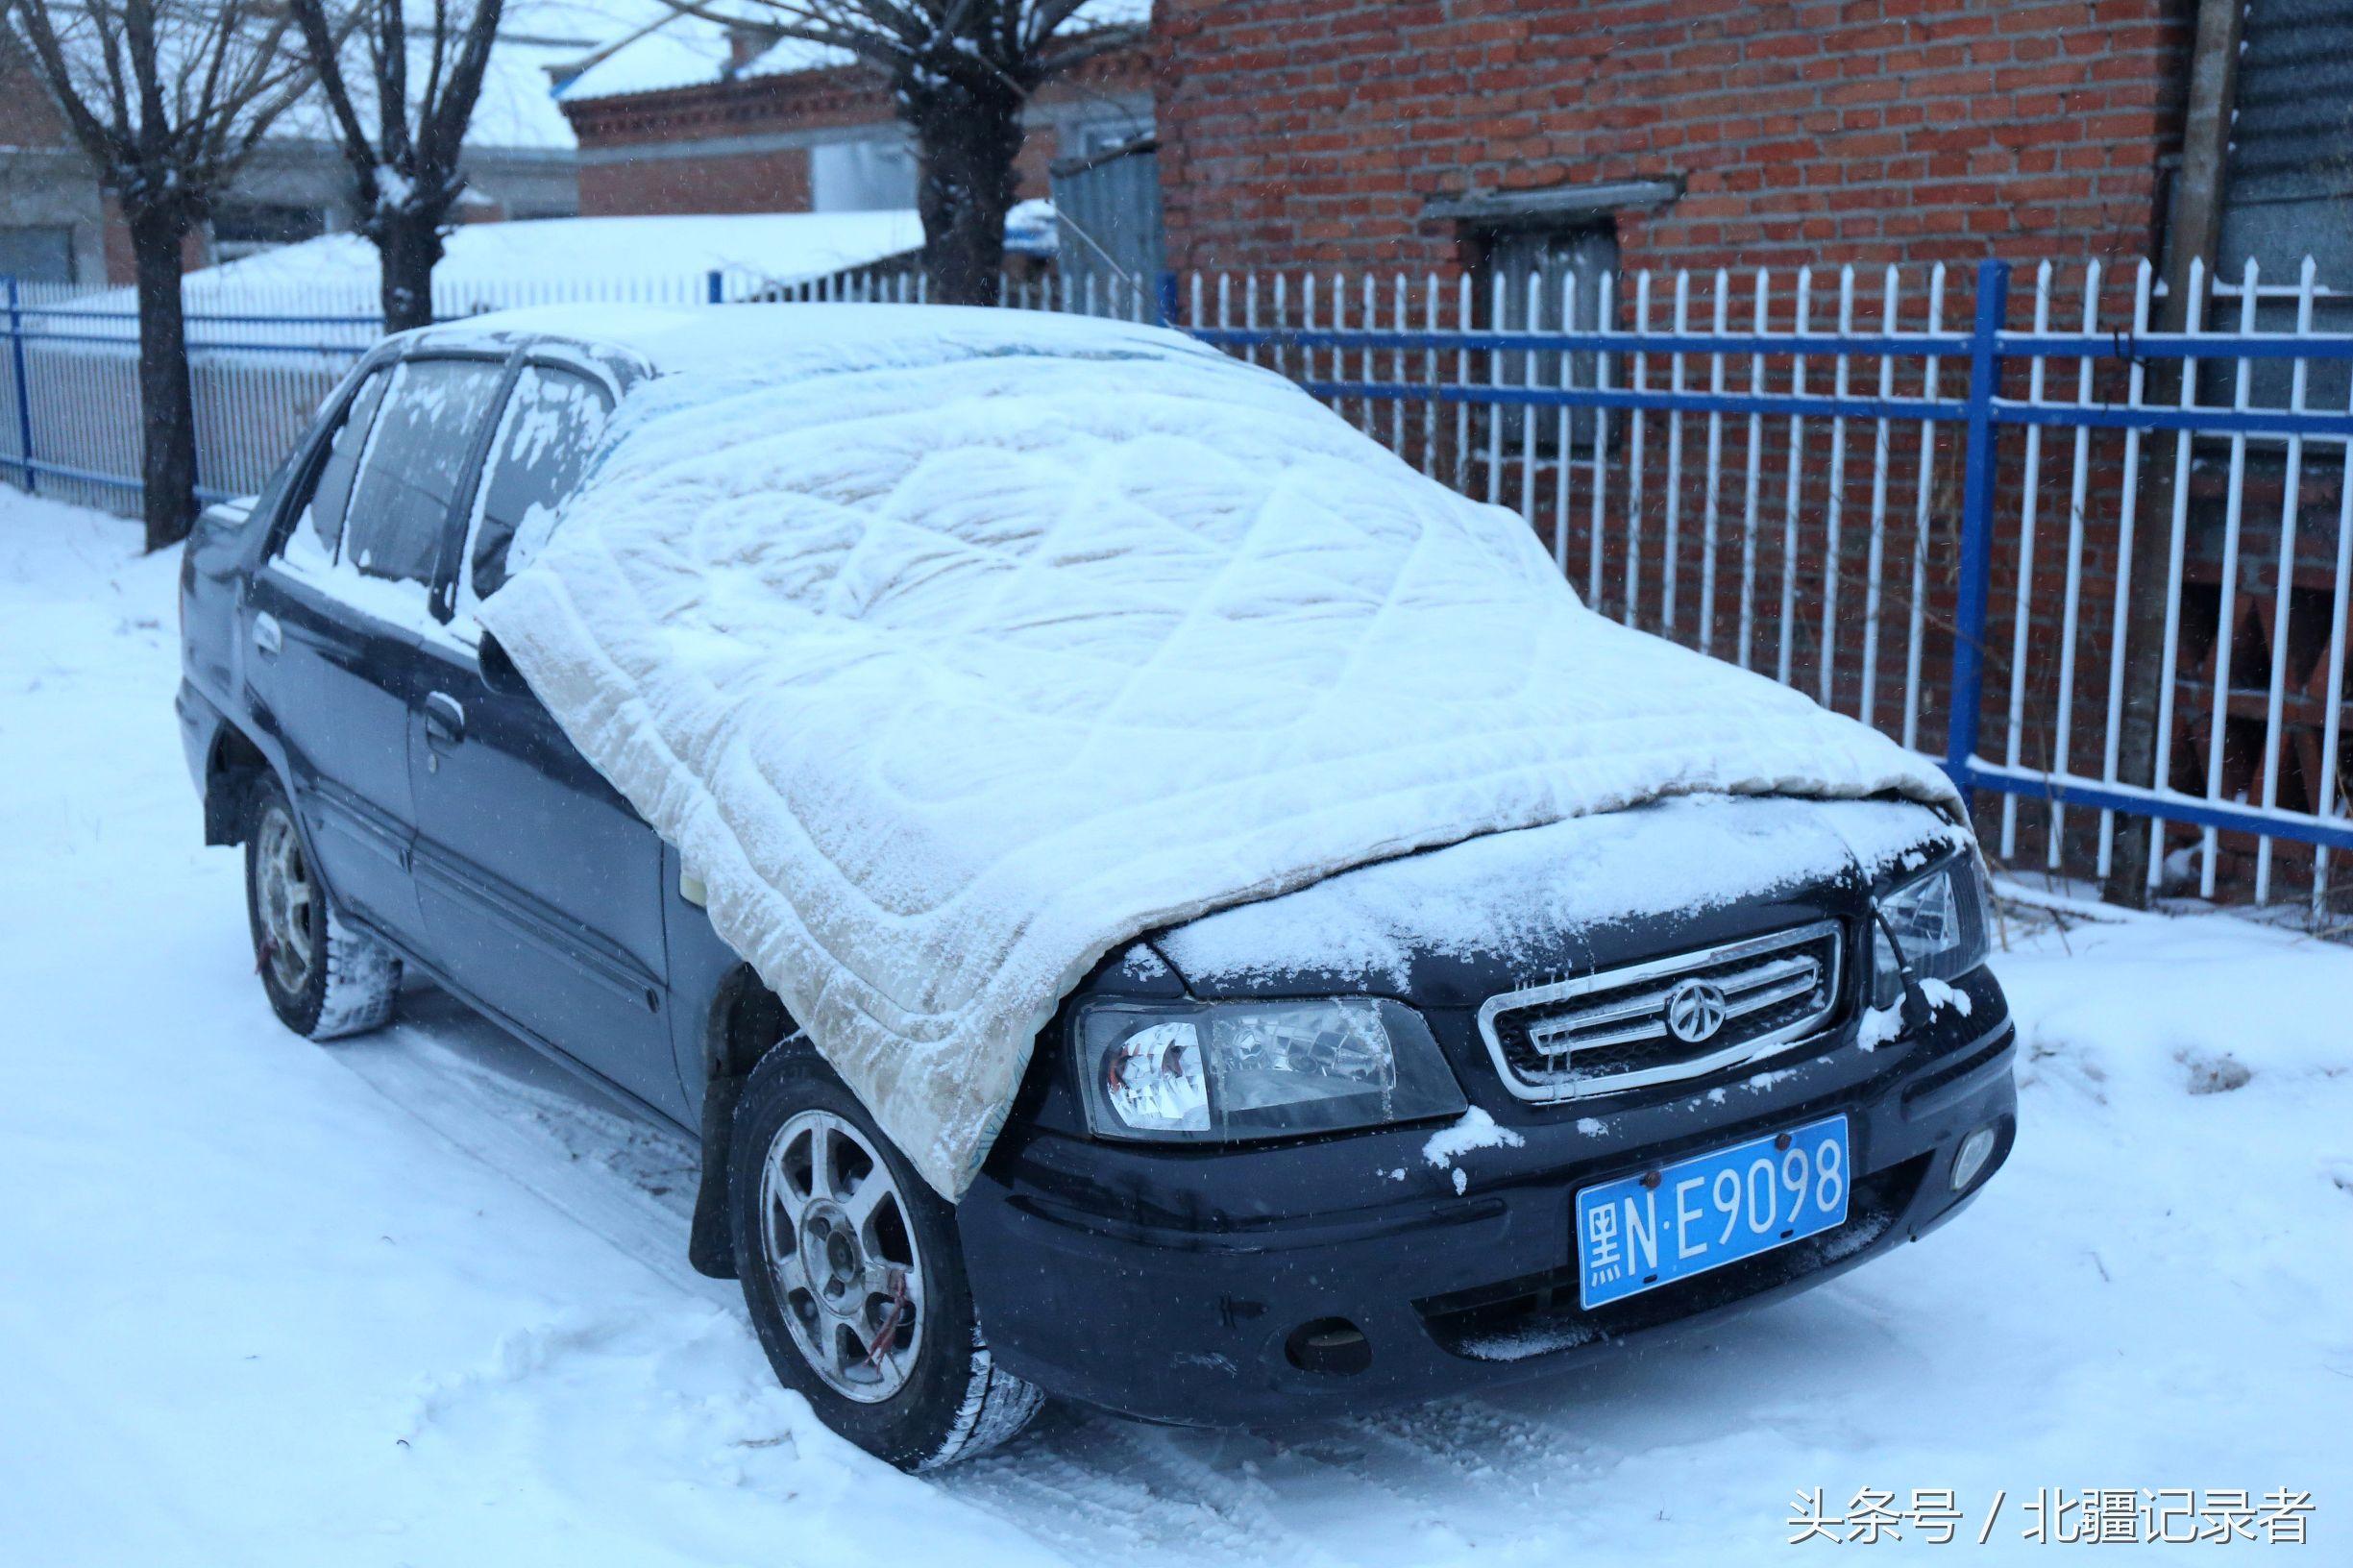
1694, 1011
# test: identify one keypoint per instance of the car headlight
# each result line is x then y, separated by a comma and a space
1232, 1071
1940, 918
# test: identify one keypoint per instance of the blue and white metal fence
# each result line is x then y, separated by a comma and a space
1900, 599
1905, 492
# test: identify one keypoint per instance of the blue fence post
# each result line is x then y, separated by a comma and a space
24, 389
1977, 475
717, 292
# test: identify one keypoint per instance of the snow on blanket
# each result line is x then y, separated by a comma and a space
955, 649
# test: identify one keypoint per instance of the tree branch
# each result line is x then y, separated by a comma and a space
99, 139
442, 136
326, 53
1086, 46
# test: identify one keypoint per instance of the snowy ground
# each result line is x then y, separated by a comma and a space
422, 1299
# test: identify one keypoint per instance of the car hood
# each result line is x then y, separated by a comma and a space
1449, 927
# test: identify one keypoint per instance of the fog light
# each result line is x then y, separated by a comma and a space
1975, 1150
1330, 1345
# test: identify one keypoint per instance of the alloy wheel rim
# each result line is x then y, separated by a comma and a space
841, 1251
285, 895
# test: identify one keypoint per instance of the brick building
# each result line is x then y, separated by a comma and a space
1504, 143
705, 116
1704, 133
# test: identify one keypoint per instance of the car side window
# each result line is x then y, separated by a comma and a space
414, 465
546, 437
318, 527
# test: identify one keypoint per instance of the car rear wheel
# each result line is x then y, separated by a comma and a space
324, 978
854, 1275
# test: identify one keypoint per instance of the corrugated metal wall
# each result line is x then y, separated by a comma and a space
2291, 143
2291, 175
1109, 208
2291, 189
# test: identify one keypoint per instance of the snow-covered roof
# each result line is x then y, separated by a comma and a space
688, 51
551, 252
518, 108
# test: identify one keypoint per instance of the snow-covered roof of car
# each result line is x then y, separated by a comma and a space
778, 340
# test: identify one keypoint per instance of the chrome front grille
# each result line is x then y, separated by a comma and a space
1665, 1019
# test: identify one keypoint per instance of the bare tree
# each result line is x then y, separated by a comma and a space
166, 98
960, 72
422, 81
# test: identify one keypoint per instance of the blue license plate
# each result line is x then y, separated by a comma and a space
1714, 1208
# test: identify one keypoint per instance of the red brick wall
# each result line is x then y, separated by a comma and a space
1300, 131
122, 266
28, 116
776, 181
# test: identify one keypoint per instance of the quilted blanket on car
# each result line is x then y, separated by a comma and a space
954, 649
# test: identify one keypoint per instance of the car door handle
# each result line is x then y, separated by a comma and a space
445, 720
268, 635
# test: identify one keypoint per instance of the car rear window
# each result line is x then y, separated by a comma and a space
545, 439
414, 465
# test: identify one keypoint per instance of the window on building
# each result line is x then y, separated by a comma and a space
39, 253
247, 228
1548, 279
415, 462
872, 174
546, 437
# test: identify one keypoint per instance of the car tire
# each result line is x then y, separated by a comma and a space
325, 979
840, 1246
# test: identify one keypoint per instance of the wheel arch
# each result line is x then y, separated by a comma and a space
747, 1022
232, 767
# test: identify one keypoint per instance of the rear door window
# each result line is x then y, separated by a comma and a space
546, 436
311, 544
415, 463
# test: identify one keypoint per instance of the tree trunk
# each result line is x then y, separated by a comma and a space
968, 135
407, 246
167, 456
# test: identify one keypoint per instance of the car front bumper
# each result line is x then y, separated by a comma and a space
1203, 1288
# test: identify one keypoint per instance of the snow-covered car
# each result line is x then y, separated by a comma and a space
1365, 1102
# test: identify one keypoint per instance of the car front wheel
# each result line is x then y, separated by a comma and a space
854, 1275
324, 978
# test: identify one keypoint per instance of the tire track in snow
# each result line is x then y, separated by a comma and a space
1448, 1481
1086, 1486
600, 1163
1095, 1486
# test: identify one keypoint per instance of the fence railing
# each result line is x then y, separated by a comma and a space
263, 356
1911, 493
1854, 483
